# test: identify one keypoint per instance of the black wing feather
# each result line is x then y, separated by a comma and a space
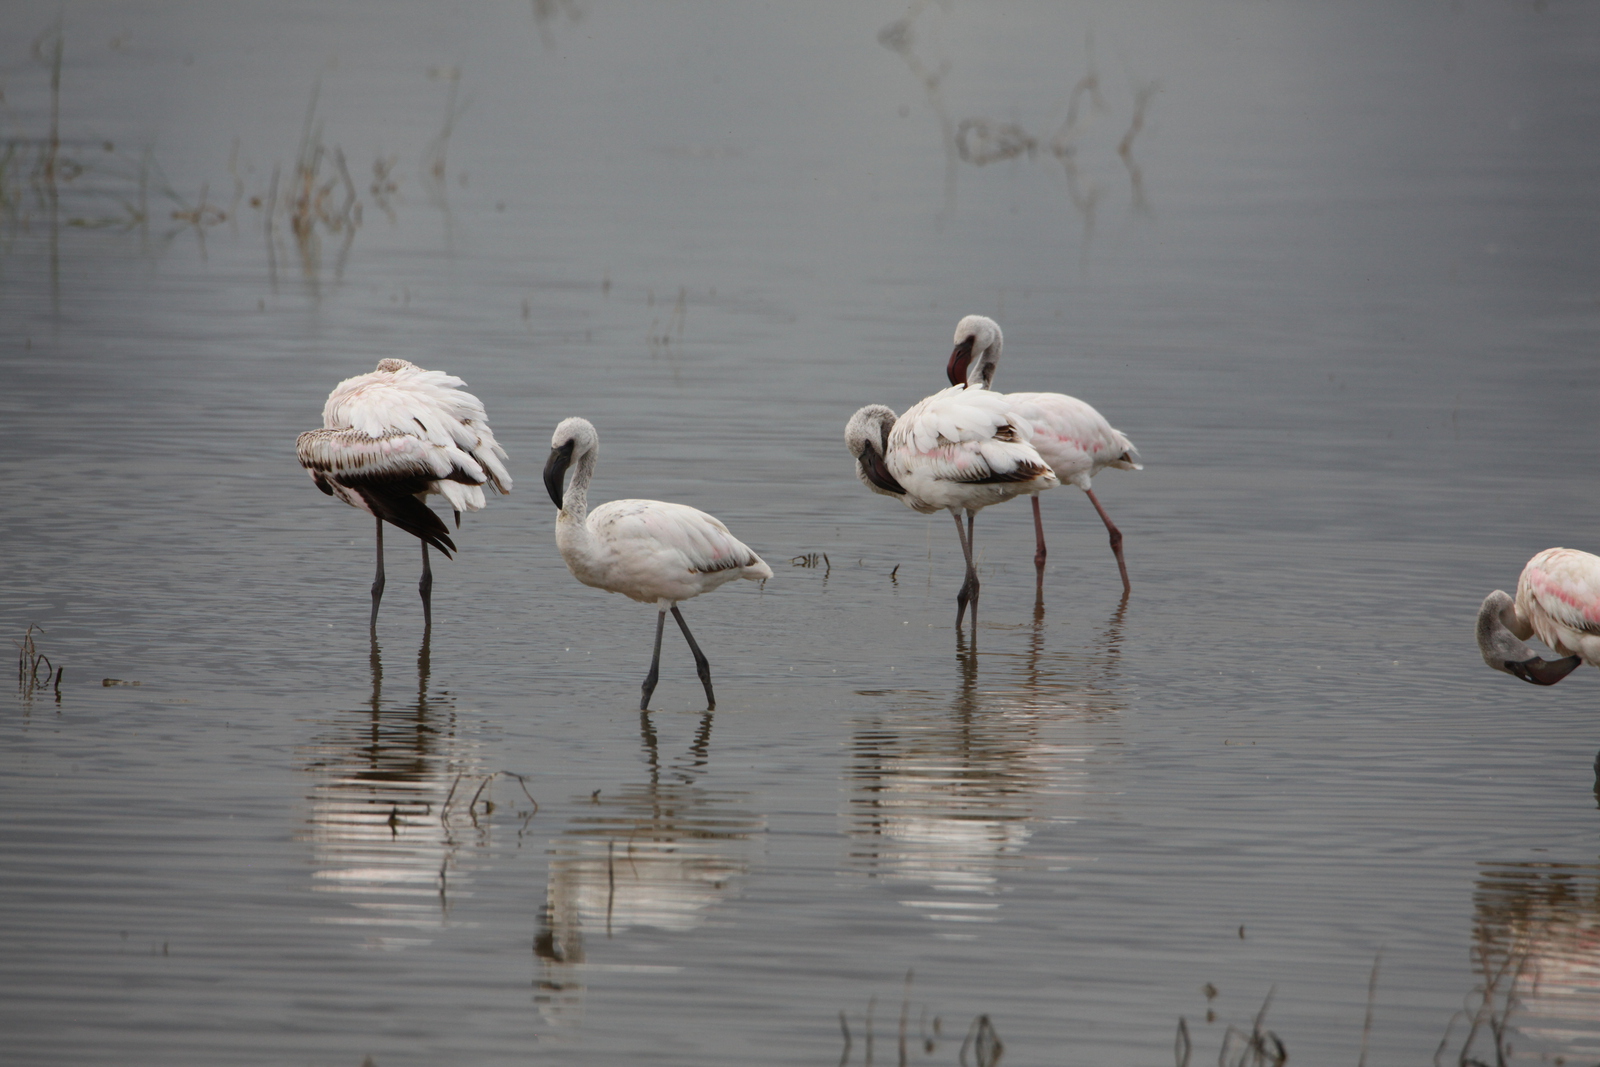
395, 502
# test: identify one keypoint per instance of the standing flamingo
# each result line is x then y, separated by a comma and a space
1074, 439
1558, 598
961, 449
647, 550
392, 438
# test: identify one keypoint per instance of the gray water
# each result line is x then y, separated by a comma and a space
1341, 289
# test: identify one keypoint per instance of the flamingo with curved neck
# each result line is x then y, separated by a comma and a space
1074, 439
1558, 600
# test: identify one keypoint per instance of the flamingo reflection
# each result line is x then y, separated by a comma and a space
380, 835
654, 855
1536, 933
946, 793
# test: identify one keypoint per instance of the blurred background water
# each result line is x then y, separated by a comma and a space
1332, 268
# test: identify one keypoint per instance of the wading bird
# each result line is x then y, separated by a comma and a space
647, 550
392, 438
1074, 439
1558, 599
961, 449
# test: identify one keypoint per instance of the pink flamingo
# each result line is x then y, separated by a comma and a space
961, 449
1558, 599
394, 437
1072, 437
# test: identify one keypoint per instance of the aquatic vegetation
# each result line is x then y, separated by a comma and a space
1259, 1047
980, 141
48, 184
35, 671
980, 1043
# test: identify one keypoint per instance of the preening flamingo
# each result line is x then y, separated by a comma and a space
961, 449
396, 436
1558, 599
647, 550
1074, 439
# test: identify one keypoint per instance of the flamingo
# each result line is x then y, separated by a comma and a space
961, 449
1558, 598
647, 550
395, 436
1074, 439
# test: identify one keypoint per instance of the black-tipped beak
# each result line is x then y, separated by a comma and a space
877, 472
956, 369
1544, 671
555, 471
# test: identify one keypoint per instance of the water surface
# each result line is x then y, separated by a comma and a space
1340, 289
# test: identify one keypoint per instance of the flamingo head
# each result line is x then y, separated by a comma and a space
867, 437
575, 438
976, 354
1503, 650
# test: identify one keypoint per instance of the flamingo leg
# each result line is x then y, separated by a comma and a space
969, 587
655, 665
1038, 534
702, 665
425, 587
377, 582
972, 549
1116, 539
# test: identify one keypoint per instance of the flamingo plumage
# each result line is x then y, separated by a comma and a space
647, 550
1558, 600
960, 449
1074, 439
394, 437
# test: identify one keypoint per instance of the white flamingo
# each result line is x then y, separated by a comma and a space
1074, 439
961, 449
1558, 599
647, 550
395, 436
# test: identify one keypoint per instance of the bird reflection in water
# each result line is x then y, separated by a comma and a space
380, 833
946, 792
657, 855
1536, 947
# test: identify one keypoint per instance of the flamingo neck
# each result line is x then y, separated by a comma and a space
1516, 620
575, 502
980, 374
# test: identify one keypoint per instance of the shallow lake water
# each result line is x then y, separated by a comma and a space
1331, 267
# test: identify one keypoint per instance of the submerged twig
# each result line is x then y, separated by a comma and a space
472, 805
984, 1040
30, 677
1372, 995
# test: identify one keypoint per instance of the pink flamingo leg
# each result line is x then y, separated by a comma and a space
1116, 540
1038, 533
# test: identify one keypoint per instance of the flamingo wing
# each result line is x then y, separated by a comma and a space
675, 536
383, 476
344, 455
1074, 438
400, 397
964, 435
1561, 586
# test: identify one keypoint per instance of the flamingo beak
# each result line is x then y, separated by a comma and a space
877, 472
555, 471
956, 369
1544, 671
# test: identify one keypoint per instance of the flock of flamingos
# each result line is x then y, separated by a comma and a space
400, 434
